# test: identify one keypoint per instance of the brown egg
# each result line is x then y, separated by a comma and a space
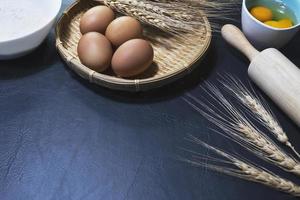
95, 51
123, 29
96, 19
132, 58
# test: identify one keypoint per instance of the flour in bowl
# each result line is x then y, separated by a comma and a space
19, 18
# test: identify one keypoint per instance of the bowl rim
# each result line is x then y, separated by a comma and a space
59, 3
244, 7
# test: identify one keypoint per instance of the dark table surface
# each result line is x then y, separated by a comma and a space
64, 138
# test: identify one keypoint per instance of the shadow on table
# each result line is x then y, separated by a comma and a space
40, 59
198, 75
291, 50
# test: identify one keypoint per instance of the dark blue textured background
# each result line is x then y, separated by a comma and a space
63, 138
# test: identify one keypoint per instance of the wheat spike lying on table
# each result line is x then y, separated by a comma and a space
258, 108
172, 16
234, 166
239, 129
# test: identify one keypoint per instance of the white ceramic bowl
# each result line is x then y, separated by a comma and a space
25, 24
263, 36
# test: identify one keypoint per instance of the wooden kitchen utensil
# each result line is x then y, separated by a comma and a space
275, 74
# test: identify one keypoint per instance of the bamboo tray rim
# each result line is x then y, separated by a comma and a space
138, 83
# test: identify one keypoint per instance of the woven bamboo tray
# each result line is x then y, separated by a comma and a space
173, 56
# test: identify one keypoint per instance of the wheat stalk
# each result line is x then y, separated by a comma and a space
238, 128
172, 16
258, 108
240, 168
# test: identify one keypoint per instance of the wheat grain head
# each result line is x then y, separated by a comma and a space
238, 128
173, 16
257, 107
241, 168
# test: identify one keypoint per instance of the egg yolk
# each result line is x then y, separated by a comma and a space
261, 13
284, 23
272, 23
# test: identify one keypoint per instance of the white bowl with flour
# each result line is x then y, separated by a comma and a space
24, 25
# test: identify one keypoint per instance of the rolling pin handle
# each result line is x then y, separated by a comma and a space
234, 36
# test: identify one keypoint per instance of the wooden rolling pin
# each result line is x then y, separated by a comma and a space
275, 74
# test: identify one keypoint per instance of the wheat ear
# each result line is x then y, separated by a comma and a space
171, 16
258, 108
240, 129
237, 167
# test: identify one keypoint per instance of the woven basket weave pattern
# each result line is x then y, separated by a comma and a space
173, 56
